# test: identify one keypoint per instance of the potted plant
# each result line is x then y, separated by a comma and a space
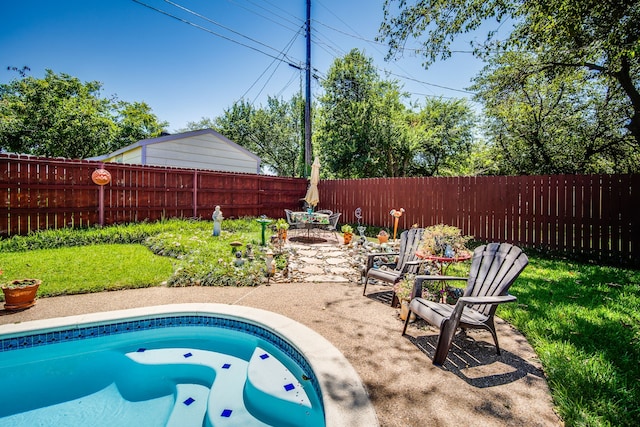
281, 227
20, 294
383, 237
403, 289
347, 233
444, 241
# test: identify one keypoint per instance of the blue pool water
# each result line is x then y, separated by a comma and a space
167, 371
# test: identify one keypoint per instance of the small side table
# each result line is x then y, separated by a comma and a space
443, 263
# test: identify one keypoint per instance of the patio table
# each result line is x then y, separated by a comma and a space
310, 220
443, 263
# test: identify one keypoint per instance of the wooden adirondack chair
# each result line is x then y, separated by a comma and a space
494, 267
407, 262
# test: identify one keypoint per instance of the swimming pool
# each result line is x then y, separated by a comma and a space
185, 364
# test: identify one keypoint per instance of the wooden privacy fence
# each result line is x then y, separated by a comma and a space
40, 193
586, 216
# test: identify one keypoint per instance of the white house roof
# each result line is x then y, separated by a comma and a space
175, 137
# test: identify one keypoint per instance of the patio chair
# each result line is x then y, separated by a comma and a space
326, 211
494, 267
293, 225
407, 262
333, 224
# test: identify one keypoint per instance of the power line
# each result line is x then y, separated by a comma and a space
276, 67
219, 24
266, 17
286, 59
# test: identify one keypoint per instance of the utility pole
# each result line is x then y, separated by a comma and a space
307, 101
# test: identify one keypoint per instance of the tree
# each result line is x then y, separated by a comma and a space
443, 134
271, 132
135, 121
361, 129
59, 116
601, 38
553, 122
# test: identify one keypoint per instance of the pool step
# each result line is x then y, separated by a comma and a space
225, 401
242, 393
190, 406
274, 393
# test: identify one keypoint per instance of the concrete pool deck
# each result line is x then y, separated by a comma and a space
474, 387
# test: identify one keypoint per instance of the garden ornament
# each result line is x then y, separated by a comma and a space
396, 214
217, 221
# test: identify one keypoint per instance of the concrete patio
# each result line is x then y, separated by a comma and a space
474, 387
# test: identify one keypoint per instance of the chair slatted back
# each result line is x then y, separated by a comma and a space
409, 244
333, 220
494, 268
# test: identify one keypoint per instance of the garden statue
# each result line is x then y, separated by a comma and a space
239, 262
248, 254
217, 221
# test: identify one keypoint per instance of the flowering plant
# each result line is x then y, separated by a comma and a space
404, 287
346, 228
444, 240
282, 224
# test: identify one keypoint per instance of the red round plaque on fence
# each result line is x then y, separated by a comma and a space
101, 177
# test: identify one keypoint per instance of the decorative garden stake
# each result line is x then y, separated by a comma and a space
396, 214
217, 221
361, 228
101, 177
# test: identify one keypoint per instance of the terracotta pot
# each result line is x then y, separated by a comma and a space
18, 297
347, 238
383, 238
404, 311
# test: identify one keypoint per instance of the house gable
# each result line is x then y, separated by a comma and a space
202, 149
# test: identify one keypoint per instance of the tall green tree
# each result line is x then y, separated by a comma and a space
135, 121
599, 37
59, 116
545, 122
361, 131
443, 137
271, 132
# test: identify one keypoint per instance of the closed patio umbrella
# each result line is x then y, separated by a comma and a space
312, 197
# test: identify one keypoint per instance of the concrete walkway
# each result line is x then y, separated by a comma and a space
474, 387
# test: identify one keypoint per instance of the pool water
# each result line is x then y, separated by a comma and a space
170, 376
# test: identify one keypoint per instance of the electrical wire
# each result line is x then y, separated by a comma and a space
285, 59
219, 24
263, 16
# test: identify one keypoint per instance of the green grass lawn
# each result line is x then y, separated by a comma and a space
583, 320
89, 268
584, 323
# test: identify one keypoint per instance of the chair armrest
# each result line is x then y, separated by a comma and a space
498, 299
408, 264
417, 261
436, 277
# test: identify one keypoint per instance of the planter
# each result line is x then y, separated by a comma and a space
404, 311
347, 238
20, 294
383, 238
282, 234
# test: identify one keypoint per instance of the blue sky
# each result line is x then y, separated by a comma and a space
186, 72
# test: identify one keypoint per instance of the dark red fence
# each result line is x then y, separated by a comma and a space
587, 216
590, 216
40, 193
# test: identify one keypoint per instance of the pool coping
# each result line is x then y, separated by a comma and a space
346, 402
